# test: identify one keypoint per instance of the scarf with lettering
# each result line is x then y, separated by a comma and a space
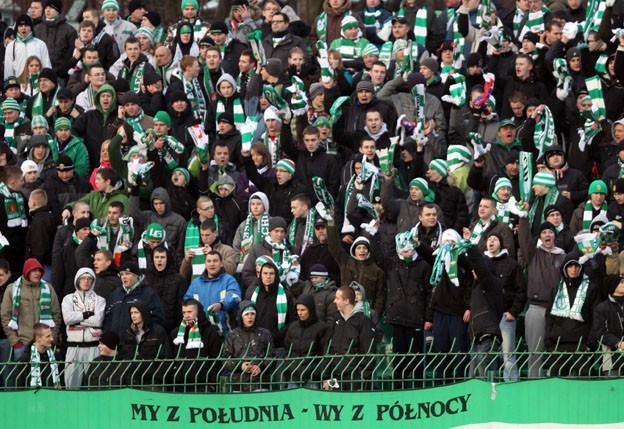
124, 240
14, 207
194, 336
135, 77
248, 238
561, 306
544, 134
45, 304
35, 367
196, 97
308, 234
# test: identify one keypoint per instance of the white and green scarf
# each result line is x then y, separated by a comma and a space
142, 258
192, 241
45, 304
194, 336
239, 113
420, 26
544, 134
14, 207
281, 304
9, 131
135, 78
135, 122
457, 91
561, 306
519, 23
37, 107
308, 234
35, 368
446, 262
549, 199
535, 23
125, 235
564, 80
479, 229
588, 215
249, 239
193, 91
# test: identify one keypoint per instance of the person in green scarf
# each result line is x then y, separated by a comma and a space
546, 193
72, 146
24, 46
16, 127
595, 206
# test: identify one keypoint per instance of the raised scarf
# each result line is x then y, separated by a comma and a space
535, 23
125, 236
420, 26
446, 262
550, 198
192, 241
45, 304
544, 134
35, 368
561, 305
14, 207
194, 336
281, 304
196, 97
308, 234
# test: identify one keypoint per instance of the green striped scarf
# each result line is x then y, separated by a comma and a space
588, 215
420, 26
134, 78
194, 336
601, 64
281, 304
549, 199
446, 262
196, 96
135, 123
192, 241
457, 91
564, 80
239, 114
594, 87
125, 236
247, 132
37, 107
561, 306
370, 17
544, 134
535, 23
593, 16
308, 234
14, 207
248, 238
141, 251
526, 175
518, 19
9, 131
321, 192
45, 304
321, 27
479, 229
35, 367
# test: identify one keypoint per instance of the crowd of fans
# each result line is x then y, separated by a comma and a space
258, 186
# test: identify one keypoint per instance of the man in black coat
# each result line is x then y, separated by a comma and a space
318, 253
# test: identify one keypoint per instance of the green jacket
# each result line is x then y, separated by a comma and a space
77, 151
99, 201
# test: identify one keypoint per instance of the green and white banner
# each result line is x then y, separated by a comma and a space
546, 403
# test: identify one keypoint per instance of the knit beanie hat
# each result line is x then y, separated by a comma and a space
319, 270
110, 339
502, 182
185, 28
271, 113
551, 209
611, 282
618, 186
250, 309
29, 166
544, 178
162, 116
83, 222
62, 124
440, 166
322, 121
10, 104
185, 173
154, 18
110, 4
135, 4
130, 267
155, 232
185, 3
145, 31
547, 226
370, 49
349, 21
39, 121
24, 20
500, 239
287, 165
316, 89
431, 64
57, 5
457, 156
365, 85
277, 222
49, 74
273, 67
598, 187
422, 184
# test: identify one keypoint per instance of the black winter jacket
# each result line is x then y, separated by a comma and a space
511, 277
486, 301
59, 37
409, 293
170, 287
453, 204
323, 297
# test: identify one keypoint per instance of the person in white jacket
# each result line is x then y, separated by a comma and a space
83, 313
25, 45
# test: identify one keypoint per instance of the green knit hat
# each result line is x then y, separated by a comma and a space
322, 121
110, 4
370, 49
186, 29
544, 178
186, 3
155, 232
162, 116
287, 165
10, 104
457, 156
598, 187
502, 182
39, 121
146, 32
62, 124
185, 173
440, 166
422, 184
349, 21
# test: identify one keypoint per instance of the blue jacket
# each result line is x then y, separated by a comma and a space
224, 289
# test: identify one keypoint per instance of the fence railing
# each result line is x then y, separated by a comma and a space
370, 372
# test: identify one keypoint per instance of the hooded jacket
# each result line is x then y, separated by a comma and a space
46, 165
96, 125
306, 337
323, 297
59, 37
173, 224
81, 329
238, 236
366, 272
170, 287
563, 333
153, 344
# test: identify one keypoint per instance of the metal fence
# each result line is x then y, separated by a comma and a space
370, 372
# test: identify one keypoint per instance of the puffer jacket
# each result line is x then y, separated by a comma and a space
79, 328
173, 224
409, 292
59, 37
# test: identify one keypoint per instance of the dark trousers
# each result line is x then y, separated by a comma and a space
450, 337
407, 368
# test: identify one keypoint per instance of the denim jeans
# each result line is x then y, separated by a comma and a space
481, 364
534, 328
508, 331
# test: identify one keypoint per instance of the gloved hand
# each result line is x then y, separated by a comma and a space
87, 314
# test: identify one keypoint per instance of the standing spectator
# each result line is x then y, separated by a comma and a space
83, 314
28, 301
607, 329
40, 236
13, 215
24, 46
59, 36
6, 278
322, 289
120, 29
